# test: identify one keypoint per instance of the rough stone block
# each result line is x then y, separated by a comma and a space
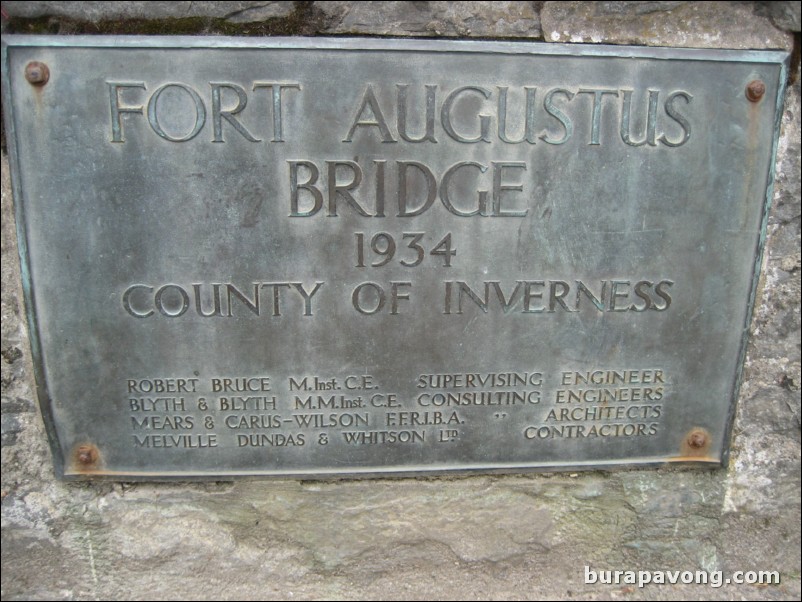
492, 19
785, 15
236, 12
684, 24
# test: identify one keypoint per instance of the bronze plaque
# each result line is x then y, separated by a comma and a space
333, 257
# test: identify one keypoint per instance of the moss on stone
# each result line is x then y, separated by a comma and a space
304, 20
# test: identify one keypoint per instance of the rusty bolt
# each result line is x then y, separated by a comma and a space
37, 73
86, 454
755, 90
697, 439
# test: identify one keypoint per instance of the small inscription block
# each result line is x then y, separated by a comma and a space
333, 257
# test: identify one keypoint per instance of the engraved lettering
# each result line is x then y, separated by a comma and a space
380, 168
484, 120
175, 441
672, 112
164, 305
581, 288
375, 291
271, 440
277, 89
153, 113
499, 187
253, 421
117, 110
216, 311
416, 189
344, 190
332, 420
162, 385
558, 290
218, 114
377, 296
595, 131
642, 294
307, 295
554, 111
660, 289
240, 384
127, 301
173, 301
527, 296
428, 136
375, 120
431, 188
383, 437
156, 404
309, 186
252, 403
651, 119
446, 199
163, 422
252, 306
529, 116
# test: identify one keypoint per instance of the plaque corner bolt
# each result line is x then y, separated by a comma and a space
755, 90
87, 455
697, 439
37, 73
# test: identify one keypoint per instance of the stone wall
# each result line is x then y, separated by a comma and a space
500, 537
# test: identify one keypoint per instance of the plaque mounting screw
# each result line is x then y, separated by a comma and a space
37, 73
697, 439
755, 90
86, 454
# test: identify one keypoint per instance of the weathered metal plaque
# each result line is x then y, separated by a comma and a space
353, 257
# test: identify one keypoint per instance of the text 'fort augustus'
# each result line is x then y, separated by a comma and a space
548, 115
